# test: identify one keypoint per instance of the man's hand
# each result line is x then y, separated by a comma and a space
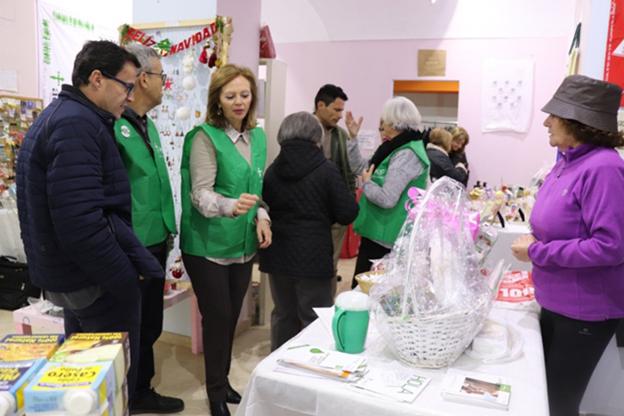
263, 229
353, 126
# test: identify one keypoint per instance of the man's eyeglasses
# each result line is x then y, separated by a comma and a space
162, 75
129, 86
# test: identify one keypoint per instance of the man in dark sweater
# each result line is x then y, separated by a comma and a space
73, 201
340, 146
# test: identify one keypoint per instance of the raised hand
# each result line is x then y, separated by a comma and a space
353, 126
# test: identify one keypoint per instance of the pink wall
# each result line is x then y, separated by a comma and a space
245, 16
366, 70
18, 52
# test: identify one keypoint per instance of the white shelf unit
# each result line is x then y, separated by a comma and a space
271, 101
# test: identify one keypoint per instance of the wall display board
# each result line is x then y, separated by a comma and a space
16, 116
507, 95
614, 59
61, 35
190, 53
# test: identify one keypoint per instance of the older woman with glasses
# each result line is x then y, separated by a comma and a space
398, 164
577, 244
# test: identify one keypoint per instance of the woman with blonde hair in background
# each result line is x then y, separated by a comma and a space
438, 152
458, 149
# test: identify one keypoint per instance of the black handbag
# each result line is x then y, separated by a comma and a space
15, 286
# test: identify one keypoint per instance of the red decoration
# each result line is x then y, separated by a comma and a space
203, 57
212, 61
614, 59
267, 48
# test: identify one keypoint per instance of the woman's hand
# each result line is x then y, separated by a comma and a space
244, 204
520, 247
366, 175
263, 229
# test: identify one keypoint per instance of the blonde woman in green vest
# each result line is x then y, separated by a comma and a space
153, 218
398, 164
222, 224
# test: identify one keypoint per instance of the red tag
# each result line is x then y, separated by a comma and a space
515, 287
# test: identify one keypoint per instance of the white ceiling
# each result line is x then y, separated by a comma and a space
343, 20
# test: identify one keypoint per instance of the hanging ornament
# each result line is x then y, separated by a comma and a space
163, 47
183, 113
212, 62
203, 56
188, 83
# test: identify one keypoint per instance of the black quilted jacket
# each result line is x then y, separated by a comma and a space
74, 202
306, 194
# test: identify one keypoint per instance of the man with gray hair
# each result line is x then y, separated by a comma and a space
153, 219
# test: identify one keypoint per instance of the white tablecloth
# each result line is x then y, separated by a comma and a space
10, 240
271, 393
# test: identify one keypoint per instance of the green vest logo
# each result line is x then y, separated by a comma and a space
125, 131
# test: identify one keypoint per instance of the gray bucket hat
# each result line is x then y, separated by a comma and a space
589, 101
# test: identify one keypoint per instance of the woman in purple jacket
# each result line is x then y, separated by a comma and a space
577, 245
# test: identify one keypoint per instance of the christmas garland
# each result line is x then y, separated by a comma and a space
215, 38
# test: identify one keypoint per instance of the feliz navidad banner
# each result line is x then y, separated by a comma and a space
215, 39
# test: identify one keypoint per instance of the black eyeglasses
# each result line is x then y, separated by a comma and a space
129, 86
162, 75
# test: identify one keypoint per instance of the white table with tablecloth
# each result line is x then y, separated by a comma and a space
271, 393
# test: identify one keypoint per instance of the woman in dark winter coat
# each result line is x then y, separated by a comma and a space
306, 194
438, 151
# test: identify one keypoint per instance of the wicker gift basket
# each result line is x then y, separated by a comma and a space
433, 299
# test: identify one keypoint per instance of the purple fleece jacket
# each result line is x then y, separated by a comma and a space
578, 220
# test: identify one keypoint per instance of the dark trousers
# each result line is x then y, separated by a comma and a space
220, 291
572, 349
294, 299
108, 314
369, 250
152, 292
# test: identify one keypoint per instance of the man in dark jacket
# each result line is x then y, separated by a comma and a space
74, 201
306, 194
153, 218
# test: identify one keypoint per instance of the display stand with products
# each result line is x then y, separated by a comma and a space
17, 114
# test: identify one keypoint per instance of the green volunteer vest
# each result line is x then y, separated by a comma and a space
153, 215
381, 224
223, 237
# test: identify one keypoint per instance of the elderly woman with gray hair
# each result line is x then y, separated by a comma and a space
306, 195
400, 163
